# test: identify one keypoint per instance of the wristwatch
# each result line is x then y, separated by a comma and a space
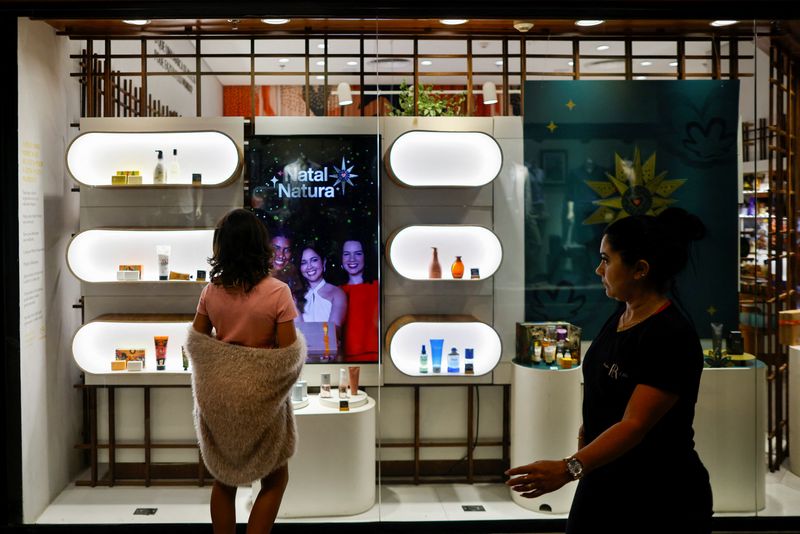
574, 467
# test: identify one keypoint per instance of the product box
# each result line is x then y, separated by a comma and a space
531, 337
119, 365
130, 355
789, 327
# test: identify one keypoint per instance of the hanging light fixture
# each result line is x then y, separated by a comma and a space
489, 93
344, 94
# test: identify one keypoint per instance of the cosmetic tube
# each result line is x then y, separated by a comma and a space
436, 355
163, 261
342, 383
161, 352
325, 385
353, 372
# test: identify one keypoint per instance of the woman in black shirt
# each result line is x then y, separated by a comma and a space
636, 461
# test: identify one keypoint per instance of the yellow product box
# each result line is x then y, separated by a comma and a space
179, 276
119, 179
789, 327
119, 365
134, 179
131, 268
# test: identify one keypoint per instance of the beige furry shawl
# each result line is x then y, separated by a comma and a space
242, 406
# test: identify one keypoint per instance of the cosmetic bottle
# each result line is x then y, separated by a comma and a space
325, 386
174, 172
158, 172
423, 361
453, 361
457, 269
435, 268
469, 361
537, 351
342, 383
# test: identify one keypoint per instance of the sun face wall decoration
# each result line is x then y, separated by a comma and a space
634, 189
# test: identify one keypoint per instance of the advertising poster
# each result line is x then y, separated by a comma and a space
597, 151
318, 196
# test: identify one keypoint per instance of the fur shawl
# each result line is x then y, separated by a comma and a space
242, 406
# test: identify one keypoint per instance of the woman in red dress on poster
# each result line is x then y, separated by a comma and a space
363, 297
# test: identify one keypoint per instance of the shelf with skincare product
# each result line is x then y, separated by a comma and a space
135, 255
154, 159
132, 344
353, 401
444, 252
422, 158
442, 345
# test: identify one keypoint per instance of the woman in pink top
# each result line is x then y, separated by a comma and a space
246, 306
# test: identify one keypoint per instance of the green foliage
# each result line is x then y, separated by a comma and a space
429, 104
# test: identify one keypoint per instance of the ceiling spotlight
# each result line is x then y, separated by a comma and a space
344, 94
283, 60
720, 23
646, 63
489, 93
603, 47
522, 25
673, 63
499, 62
320, 77
570, 63
321, 46
588, 22
640, 78
426, 62
352, 63
453, 22
275, 21
137, 22
320, 63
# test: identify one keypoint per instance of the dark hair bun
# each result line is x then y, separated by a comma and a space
685, 226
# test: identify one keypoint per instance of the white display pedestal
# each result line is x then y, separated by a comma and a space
545, 417
730, 431
333, 470
794, 410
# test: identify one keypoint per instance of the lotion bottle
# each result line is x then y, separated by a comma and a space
174, 172
423, 361
158, 172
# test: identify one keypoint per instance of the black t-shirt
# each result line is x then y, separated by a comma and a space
662, 351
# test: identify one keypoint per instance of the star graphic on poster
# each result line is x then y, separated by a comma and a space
633, 189
711, 310
343, 174
273, 181
552, 126
570, 104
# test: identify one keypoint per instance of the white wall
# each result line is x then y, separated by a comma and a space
51, 407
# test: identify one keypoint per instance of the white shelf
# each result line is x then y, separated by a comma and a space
409, 250
93, 157
94, 344
421, 158
408, 333
95, 255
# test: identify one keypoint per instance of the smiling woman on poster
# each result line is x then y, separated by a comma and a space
363, 298
322, 302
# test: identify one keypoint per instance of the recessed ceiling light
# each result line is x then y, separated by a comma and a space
321, 46
719, 23
352, 63
588, 22
283, 60
321, 63
603, 47
137, 22
646, 63
673, 63
275, 21
499, 62
640, 78
571, 63
320, 77
453, 22
426, 62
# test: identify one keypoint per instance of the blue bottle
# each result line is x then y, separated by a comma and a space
453, 361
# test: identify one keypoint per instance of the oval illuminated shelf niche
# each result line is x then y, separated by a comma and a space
406, 335
422, 158
93, 157
94, 343
95, 255
409, 250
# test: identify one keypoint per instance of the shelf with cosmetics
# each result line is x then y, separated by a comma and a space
422, 158
132, 344
141, 255
154, 159
442, 345
444, 252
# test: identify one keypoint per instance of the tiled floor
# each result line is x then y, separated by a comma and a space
398, 503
